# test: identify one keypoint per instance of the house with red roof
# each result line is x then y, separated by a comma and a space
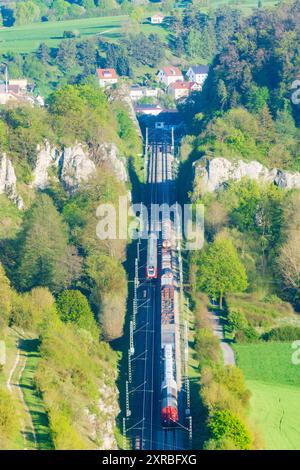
182, 89
107, 77
168, 75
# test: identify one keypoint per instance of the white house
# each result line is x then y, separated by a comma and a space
197, 73
168, 75
179, 90
158, 18
137, 92
107, 77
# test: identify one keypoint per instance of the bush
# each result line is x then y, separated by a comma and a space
247, 335
283, 333
207, 347
9, 424
226, 425
72, 306
236, 321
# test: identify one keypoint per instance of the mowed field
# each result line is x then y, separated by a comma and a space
27, 38
275, 386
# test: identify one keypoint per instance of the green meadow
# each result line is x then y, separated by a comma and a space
275, 386
27, 38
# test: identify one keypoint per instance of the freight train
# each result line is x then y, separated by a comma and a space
169, 392
169, 389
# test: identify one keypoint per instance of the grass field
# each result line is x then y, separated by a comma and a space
275, 385
27, 38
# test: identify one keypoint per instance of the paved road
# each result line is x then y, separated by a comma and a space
228, 353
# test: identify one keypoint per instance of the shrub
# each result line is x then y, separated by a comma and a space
207, 347
236, 321
283, 333
247, 335
73, 307
8, 420
226, 425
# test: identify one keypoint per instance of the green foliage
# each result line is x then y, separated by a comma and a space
9, 422
5, 299
32, 310
219, 269
44, 248
80, 113
224, 424
73, 367
238, 134
72, 306
283, 333
10, 218
207, 347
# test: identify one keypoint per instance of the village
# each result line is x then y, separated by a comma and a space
170, 82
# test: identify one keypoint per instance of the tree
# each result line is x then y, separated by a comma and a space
43, 53
109, 293
220, 271
66, 55
5, 299
225, 425
26, 12
72, 306
43, 247
9, 421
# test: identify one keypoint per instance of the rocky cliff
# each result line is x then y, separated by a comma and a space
73, 164
213, 174
8, 181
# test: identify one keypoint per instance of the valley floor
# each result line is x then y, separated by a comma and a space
275, 386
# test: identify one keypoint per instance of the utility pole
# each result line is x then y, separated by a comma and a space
124, 434
146, 155
6, 79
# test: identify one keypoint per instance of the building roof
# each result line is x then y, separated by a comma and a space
15, 89
106, 74
148, 107
180, 85
157, 15
198, 69
171, 71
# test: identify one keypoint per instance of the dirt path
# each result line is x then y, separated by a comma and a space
229, 358
14, 384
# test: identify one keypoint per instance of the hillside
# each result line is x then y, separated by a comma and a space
59, 283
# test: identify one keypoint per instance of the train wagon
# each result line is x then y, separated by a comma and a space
169, 410
151, 268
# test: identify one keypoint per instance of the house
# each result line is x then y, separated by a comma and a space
197, 73
107, 77
179, 90
168, 75
22, 83
148, 109
158, 18
137, 92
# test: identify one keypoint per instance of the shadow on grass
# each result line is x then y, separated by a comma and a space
33, 397
121, 345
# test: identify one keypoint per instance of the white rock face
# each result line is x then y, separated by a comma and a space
213, 174
46, 156
108, 154
76, 167
8, 181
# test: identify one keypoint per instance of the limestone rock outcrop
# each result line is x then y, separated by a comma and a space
213, 174
8, 181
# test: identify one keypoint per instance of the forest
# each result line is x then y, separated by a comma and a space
250, 265
59, 284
